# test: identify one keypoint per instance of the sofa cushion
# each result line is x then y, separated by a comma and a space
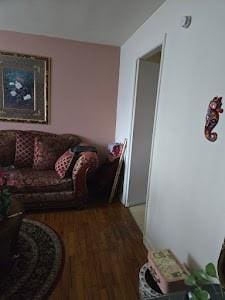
24, 149
64, 163
47, 150
8, 143
7, 149
72, 138
34, 181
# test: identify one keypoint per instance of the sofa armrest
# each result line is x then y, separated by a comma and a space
85, 165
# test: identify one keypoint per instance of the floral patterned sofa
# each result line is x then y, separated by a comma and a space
40, 186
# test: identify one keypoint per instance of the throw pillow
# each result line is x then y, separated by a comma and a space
47, 150
7, 150
64, 163
24, 149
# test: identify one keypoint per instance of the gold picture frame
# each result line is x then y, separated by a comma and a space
24, 88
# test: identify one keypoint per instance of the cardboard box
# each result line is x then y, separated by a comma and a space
167, 271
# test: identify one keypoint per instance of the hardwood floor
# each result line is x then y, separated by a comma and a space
103, 252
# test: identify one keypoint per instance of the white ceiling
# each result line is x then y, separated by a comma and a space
99, 21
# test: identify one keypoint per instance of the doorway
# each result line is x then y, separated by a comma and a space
147, 78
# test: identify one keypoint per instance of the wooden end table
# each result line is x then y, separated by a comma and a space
9, 229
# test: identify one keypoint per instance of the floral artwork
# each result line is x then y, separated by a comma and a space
18, 88
24, 87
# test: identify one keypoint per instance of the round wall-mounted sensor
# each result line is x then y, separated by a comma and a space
185, 21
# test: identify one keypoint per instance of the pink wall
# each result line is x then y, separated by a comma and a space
84, 84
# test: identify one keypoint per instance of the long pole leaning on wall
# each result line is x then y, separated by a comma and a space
118, 171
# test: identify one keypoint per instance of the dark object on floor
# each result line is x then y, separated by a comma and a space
148, 289
9, 229
102, 183
38, 266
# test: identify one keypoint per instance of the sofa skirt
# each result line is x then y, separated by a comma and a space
53, 200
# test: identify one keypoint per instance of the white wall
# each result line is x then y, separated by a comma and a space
147, 83
186, 211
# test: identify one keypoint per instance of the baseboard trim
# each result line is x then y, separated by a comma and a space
147, 243
135, 204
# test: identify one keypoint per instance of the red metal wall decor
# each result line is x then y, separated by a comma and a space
212, 118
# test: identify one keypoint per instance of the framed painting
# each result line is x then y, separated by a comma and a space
24, 88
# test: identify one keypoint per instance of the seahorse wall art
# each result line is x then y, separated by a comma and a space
212, 118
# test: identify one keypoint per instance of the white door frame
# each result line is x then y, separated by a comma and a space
130, 138
129, 149
147, 207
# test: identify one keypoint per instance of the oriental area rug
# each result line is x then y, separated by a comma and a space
38, 266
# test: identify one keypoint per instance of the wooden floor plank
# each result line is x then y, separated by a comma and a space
103, 253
